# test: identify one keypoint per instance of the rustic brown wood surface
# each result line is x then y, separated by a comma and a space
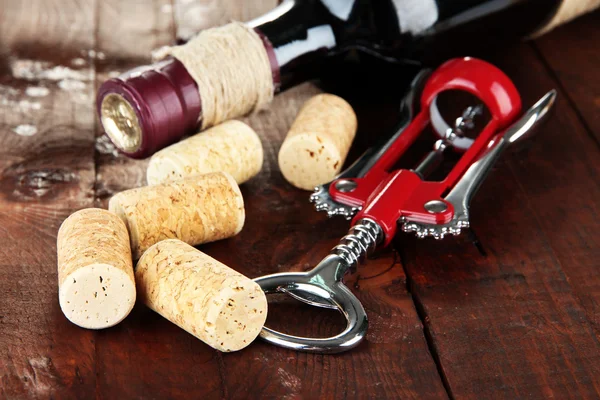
446, 321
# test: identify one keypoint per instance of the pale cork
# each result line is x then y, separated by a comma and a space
95, 271
196, 210
232, 147
568, 11
218, 305
318, 142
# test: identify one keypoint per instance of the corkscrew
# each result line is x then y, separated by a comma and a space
380, 200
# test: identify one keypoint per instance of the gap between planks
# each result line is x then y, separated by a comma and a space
422, 314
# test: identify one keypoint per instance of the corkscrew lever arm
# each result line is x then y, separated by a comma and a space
478, 171
461, 194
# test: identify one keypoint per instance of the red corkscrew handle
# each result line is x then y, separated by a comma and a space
386, 196
481, 79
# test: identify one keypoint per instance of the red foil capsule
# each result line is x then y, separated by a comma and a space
151, 107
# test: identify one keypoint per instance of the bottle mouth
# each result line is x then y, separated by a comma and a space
148, 108
121, 123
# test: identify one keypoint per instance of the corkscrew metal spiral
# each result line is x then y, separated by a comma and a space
361, 240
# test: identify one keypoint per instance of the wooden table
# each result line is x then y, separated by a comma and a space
521, 321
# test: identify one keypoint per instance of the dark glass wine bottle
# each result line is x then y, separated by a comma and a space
150, 107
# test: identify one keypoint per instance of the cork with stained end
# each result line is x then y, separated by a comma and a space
196, 210
318, 142
95, 271
218, 305
232, 147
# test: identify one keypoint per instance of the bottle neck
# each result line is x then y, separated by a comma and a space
300, 35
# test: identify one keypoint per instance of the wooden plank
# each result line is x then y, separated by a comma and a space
46, 172
56, 24
193, 16
571, 52
571, 222
129, 31
518, 323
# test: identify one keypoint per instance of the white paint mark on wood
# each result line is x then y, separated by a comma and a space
103, 145
70, 85
8, 91
40, 376
78, 62
37, 91
26, 105
10, 98
35, 184
23, 106
34, 70
93, 54
25, 130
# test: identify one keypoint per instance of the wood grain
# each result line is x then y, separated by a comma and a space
193, 16
50, 24
519, 322
571, 53
570, 226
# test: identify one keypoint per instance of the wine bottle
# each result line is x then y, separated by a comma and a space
153, 106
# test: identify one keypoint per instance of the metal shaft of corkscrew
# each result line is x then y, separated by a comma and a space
462, 125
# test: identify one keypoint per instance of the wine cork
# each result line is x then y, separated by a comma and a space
318, 142
218, 305
196, 210
232, 147
95, 272
568, 10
